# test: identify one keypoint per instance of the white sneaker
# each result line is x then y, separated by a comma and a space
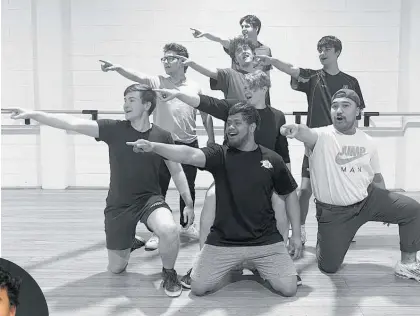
152, 243
303, 234
408, 271
190, 232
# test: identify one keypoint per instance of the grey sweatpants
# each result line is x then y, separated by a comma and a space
213, 263
337, 225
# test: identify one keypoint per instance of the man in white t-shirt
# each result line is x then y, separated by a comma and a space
174, 116
349, 188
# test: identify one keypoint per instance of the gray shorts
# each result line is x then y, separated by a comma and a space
214, 263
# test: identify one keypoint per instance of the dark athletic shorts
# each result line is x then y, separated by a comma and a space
121, 223
305, 167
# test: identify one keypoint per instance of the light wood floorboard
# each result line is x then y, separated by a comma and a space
58, 237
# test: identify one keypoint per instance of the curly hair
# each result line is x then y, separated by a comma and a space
240, 41
11, 285
258, 79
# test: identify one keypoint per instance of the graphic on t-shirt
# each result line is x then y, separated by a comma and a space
349, 154
266, 164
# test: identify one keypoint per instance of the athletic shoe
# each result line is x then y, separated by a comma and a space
138, 242
186, 280
299, 280
171, 284
152, 243
255, 272
408, 270
190, 232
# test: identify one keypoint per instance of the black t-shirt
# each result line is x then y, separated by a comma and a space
245, 181
319, 87
134, 176
268, 133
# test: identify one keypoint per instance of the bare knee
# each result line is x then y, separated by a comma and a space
118, 260
117, 268
285, 286
167, 231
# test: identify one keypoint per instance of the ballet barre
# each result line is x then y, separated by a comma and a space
297, 114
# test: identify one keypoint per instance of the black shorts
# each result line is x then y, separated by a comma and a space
305, 167
121, 223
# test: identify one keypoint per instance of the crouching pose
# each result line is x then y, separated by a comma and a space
246, 174
349, 188
134, 193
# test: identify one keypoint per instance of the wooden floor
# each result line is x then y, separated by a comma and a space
58, 238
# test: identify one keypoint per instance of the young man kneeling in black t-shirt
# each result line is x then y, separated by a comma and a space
134, 192
246, 174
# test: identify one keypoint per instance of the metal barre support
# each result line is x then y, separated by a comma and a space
366, 118
297, 116
93, 113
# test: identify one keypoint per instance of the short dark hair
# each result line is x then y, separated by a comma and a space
253, 20
11, 285
249, 113
240, 41
330, 41
146, 95
179, 49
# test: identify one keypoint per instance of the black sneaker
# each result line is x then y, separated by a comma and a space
171, 284
138, 242
299, 280
186, 280
256, 272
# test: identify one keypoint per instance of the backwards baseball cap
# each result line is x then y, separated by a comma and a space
347, 93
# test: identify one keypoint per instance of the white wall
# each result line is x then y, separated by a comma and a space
51, 52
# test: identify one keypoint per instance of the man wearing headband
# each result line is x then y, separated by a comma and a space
349, 188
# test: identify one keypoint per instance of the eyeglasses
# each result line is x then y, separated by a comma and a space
168, 59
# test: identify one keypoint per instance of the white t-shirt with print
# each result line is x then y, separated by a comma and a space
175, 116
342, 166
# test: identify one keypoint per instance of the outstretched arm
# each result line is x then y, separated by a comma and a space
280, 65
215, 107
178, 153
126, 73
212, 37
301, 132
208, 72
190, 98
208, 125
60, 121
